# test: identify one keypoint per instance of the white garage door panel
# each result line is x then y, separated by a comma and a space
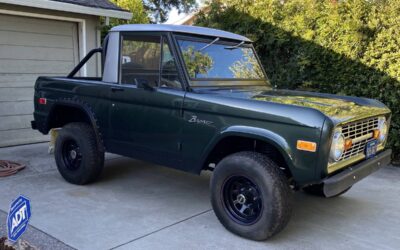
35, 25
15, 122
30, 47
4, 78
16, 108
19, 136
35, 66
16, 94
33, 39
36, 53
20, 80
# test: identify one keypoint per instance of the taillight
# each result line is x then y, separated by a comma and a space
42, 101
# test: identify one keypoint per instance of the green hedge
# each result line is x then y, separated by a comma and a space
348, 47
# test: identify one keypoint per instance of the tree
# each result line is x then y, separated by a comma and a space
136, 7
155, 11
196, 61
247, 67
159, 9
139, 14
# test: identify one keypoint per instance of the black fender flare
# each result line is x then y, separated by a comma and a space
84, 107
255, 133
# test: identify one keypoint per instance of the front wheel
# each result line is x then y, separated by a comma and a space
77, 155
250, 195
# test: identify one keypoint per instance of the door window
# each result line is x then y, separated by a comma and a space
140, 60
144, 57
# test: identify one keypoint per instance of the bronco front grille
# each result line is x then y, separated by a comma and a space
360, 133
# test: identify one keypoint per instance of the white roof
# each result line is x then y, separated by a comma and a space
181, 29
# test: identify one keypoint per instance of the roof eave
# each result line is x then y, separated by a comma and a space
73, 8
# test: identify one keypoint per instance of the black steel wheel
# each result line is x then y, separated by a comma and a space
71, 154
78, 157
242, 199
250, 195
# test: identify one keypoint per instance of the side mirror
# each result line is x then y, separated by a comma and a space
143, 84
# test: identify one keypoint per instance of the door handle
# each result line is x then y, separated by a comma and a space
115, 89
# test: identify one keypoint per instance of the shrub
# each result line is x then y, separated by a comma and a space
347, 47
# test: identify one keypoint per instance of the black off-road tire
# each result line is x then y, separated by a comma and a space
317, 190
88, 163
271, 185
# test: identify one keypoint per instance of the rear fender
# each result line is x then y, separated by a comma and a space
85, 108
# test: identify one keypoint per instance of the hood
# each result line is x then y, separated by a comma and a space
338, 108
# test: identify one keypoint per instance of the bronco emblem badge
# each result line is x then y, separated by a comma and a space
194, 119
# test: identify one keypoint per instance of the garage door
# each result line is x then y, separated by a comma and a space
30, 47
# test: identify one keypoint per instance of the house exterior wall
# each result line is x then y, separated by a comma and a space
33, 44
92, 27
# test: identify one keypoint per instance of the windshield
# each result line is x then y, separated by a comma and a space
210, 60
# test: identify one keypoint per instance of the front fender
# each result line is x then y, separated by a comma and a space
302, 164
261, 134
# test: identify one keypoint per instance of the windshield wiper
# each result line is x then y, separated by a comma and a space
208, 45
236, 46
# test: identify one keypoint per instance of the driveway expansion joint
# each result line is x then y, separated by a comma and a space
159, 230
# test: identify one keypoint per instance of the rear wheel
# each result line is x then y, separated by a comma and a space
250, 195
77, 155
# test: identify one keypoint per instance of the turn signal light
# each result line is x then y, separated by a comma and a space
376, 133
347, 144
42, 101
306, 146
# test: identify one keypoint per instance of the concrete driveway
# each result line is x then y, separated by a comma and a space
136, 205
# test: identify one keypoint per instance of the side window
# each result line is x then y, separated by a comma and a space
140, 59
169, 71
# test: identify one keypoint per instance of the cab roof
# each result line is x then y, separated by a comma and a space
194, 30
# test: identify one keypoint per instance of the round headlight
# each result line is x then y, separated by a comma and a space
383, 129
338, 146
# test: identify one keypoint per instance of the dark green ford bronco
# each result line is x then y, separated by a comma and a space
198, 99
